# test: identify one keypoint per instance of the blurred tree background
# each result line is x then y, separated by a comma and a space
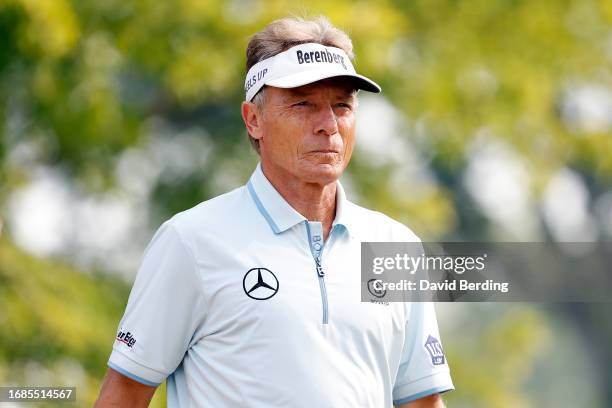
495, 123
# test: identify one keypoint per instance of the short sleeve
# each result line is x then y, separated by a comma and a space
423, 368
164, 310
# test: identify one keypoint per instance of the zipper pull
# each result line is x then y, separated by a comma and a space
320, 270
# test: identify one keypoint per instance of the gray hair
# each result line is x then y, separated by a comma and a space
280, 35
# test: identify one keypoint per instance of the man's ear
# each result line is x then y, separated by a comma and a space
252, 117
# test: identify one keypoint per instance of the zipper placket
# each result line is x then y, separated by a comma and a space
315, 241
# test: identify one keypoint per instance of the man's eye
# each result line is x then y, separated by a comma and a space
344, 105
301, 103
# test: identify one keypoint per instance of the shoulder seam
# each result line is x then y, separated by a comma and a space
194, 263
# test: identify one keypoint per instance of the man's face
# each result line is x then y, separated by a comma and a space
308, 133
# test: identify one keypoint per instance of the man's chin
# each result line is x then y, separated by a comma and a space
323, 173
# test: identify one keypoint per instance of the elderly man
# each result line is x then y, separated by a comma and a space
252, 298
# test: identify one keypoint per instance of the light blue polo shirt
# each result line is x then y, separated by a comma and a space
239, 302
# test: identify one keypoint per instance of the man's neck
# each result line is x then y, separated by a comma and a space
314, 201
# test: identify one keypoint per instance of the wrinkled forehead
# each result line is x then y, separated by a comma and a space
341, 87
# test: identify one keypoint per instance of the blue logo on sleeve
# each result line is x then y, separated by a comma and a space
434, 348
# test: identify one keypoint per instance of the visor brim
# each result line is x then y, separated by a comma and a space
309, 77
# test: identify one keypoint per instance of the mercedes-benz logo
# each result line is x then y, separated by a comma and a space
373, 291
260, 284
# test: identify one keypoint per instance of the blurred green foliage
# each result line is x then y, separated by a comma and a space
55, 323
83, 80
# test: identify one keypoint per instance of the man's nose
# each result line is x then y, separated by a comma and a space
326, 123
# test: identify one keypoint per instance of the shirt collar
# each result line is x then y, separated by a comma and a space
278, 213
342, 214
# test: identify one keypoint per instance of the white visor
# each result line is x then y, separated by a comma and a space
301, 65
